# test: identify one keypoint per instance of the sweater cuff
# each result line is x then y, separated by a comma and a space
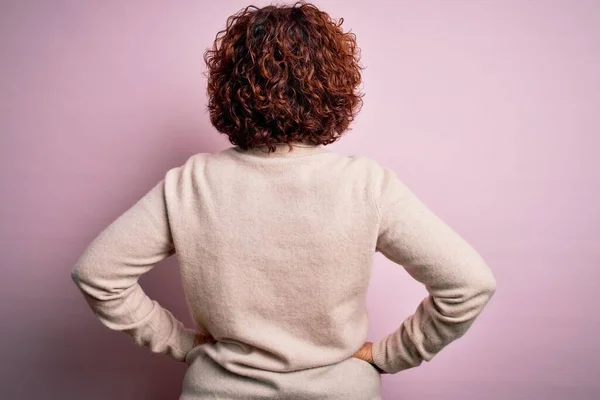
185, 342
386, 357
379, 354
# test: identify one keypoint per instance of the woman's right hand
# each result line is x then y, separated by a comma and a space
202, 338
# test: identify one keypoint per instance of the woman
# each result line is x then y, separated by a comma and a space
275, 235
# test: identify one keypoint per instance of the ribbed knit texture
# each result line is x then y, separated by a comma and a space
275, 252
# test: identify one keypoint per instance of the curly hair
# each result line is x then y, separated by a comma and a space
283, 74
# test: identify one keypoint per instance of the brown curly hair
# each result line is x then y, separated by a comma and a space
283, 74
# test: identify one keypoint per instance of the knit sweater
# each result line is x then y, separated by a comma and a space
275, 252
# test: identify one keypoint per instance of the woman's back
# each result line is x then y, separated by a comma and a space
275, 254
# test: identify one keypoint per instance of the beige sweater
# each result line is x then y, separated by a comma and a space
275, 253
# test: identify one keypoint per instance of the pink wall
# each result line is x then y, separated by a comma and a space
488, 110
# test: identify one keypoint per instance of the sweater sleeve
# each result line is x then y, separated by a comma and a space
458, 281
107, 274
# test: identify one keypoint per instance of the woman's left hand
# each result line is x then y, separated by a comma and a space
365, 353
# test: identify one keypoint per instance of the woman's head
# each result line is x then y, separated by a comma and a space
283, 74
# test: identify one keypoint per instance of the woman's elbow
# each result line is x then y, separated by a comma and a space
490, 286
482, 282
482, 289
85, 273
487, 284
80, 275
89, 283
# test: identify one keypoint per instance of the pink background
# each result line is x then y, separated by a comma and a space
489, 110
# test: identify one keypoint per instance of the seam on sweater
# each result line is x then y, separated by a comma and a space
372, 197
389, 257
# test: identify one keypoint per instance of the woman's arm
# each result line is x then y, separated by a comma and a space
108, 271
456, 277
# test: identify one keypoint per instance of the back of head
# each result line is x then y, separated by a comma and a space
283, 74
